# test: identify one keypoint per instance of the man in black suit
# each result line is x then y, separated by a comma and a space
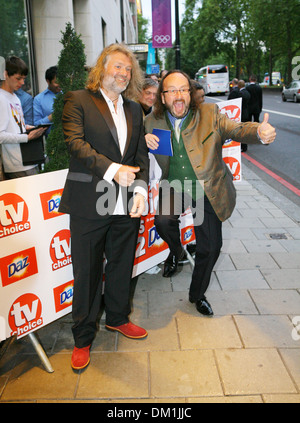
235, 92
245, 106
108, 165
256, 102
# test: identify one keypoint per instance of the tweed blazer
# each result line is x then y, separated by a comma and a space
203, 139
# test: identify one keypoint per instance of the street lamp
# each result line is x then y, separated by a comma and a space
177, 41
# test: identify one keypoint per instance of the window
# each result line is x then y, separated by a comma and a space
15, 37
217, 69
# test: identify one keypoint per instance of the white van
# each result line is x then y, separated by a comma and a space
214, 79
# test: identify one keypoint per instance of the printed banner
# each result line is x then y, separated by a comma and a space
161, 23
231, 149
36, 275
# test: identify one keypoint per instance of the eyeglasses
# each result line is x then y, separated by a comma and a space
173, 93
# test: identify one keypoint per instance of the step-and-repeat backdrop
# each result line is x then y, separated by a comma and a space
36, 278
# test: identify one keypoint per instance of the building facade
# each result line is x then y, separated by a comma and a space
36, 35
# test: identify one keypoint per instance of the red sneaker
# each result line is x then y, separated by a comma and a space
129, 330
80, 357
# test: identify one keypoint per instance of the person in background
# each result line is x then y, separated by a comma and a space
235, 92
43, 102
12, 124
27, 105
256, 100
148, 95
246, 97
245, 100
199, 92
153, 76
162, 74
104, 133
197, 175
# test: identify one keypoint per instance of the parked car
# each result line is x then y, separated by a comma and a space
291, 92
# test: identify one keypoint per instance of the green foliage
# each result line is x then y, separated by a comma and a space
250, 36
71, 76
13, 40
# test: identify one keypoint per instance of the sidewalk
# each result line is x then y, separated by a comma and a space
245, 353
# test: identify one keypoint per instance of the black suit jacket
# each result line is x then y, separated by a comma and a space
235, 93
255, 103
246, 98
92, 141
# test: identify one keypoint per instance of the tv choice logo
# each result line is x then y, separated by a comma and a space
63, 296
25, 315
232, 111
18, 266
50, 203
13, 215
234, 166
60, 249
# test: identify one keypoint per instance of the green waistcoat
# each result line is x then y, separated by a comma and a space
181, 172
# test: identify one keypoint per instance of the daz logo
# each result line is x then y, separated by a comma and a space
25, 315
50, 203
60, 249
63, 296
187, 235
18, 266
13, 215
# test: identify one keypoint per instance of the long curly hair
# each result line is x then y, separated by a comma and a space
160, 107
96, 75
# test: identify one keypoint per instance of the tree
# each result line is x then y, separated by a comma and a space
277, 24
13, 39
71, 76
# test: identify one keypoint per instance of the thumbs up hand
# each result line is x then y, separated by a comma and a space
265, 131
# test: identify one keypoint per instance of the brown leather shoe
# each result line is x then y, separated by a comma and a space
129, 330
80, 357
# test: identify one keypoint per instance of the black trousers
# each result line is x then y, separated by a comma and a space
254, 116
208, 243
116, 237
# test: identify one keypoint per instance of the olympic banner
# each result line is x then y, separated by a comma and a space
231, 149
36, 275
161, 24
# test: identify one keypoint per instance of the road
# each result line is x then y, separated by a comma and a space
281, 160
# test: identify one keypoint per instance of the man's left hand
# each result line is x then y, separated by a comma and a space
266, 132
138, 207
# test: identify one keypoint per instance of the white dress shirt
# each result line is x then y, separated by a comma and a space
120, 122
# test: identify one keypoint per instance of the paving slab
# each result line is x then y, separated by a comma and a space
253, 371
277, 301
115, 375
241, 279
207, 333
184, 374
253, 261
266, 331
